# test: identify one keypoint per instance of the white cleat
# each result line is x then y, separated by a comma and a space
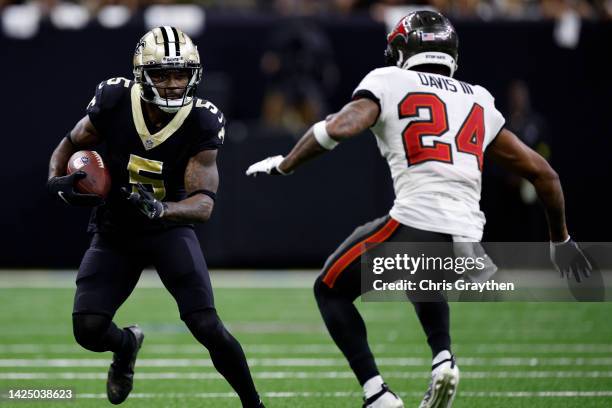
384, 399
443, 386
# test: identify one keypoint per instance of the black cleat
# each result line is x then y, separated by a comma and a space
121, 372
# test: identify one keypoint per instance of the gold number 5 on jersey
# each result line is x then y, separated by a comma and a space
137, 165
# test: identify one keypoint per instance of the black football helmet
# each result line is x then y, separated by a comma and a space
423, 37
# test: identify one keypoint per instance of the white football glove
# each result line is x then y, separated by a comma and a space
268, 165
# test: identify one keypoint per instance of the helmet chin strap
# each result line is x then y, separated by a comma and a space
169, 109
431, 57
400, 59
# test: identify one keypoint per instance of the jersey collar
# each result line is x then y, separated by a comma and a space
148, 140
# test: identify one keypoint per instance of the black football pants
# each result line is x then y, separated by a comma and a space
113, 263
339, 284
108, 274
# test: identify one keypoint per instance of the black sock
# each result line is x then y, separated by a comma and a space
435, 319
348, 330
128, 343
226, 353
98, 333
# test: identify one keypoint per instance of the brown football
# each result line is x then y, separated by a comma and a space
98, 179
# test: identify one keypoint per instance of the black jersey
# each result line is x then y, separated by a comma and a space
134, 155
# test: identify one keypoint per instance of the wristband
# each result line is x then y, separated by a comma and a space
562, 242
322, 137
282, 173
163, 209
69, 137
205, 192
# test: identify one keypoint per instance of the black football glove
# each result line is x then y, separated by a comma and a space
568, 258
62, 187
145, 202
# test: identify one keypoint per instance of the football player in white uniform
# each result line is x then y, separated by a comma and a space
433, 131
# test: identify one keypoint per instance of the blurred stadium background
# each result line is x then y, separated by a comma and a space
275, 71
275, 67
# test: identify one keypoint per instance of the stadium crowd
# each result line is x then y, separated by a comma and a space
462, 9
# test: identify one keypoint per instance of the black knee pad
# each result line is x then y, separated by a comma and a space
89, 330
207, 327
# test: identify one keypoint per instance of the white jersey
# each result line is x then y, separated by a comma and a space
433, 131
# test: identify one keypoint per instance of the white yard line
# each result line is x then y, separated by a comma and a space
536, 394
345, 394
307, 375
314, 362
221, 278
251, 327
399, 348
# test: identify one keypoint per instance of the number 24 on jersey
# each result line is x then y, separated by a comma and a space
469, 139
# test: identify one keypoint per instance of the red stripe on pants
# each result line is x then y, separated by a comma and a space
357, 250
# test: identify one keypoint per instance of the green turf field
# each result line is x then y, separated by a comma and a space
510, 354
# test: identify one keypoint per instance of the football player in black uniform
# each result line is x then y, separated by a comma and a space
161, 149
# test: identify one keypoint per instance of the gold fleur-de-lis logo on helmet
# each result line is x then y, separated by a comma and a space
140, 46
